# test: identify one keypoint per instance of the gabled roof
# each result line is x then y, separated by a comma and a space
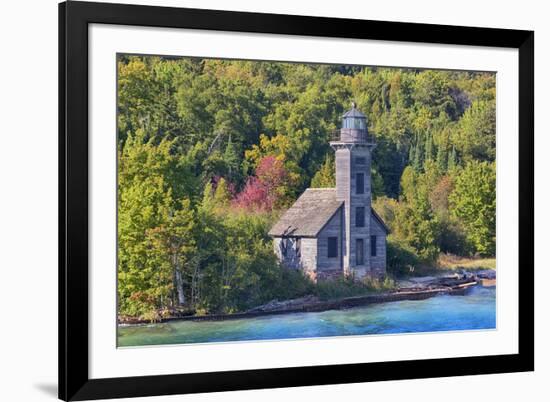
309, 214
379, 219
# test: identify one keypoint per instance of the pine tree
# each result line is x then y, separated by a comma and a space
441, 159
452, 163
325, 175
428, 149
222, 195
231, 159
418, 160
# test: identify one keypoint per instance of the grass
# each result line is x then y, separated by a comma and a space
450, 262
348, 287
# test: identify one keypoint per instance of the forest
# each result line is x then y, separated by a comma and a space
211, 152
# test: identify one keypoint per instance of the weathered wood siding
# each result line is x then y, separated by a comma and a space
378, 263
343, 183
360, 200
309, 257
305, 259
330, 266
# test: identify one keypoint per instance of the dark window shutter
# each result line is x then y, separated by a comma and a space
373, 246
332, 247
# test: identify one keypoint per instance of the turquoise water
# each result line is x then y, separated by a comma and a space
475, 310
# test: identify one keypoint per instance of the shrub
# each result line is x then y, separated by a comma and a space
292, 284
401, 258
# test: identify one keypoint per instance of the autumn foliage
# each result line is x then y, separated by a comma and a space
263, 191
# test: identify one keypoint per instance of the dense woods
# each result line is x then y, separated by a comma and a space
212, 151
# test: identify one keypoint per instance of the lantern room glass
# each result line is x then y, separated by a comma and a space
355, 123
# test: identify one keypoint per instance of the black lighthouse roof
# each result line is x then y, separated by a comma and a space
354, 113
354, 119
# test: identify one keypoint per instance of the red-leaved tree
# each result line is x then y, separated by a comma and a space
264, 189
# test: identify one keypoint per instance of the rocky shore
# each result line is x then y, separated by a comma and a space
409, 289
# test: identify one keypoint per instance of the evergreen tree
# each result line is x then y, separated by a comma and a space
231, 159
222, 194
452, 163
441, 159
418, 156
428, 152
325, 175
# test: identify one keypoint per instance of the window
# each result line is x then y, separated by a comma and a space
332, 247
359, 183
360, 217
373, 246
297, 246
356, 123
359, 251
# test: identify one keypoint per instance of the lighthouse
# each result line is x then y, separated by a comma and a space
334, 232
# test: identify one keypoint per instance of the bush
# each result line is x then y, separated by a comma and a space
401, 259
292, 284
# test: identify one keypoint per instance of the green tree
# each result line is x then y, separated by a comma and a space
144, 203
185, 124
452, 160
475, 137
232, 161
428, 155
473, 201
441, 159
325, 175
414, 221
222, 194
175, 243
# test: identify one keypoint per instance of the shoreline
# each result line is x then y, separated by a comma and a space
445, 285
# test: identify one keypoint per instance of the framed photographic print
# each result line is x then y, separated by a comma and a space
258, 200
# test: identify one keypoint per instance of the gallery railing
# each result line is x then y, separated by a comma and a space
351, 135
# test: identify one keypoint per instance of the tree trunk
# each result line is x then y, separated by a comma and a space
179, 286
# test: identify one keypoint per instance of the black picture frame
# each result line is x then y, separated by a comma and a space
74, 18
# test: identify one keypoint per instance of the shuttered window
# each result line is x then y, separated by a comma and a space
332, 247
360, 217
373, 246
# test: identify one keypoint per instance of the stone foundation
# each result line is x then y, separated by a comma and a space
329, 275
